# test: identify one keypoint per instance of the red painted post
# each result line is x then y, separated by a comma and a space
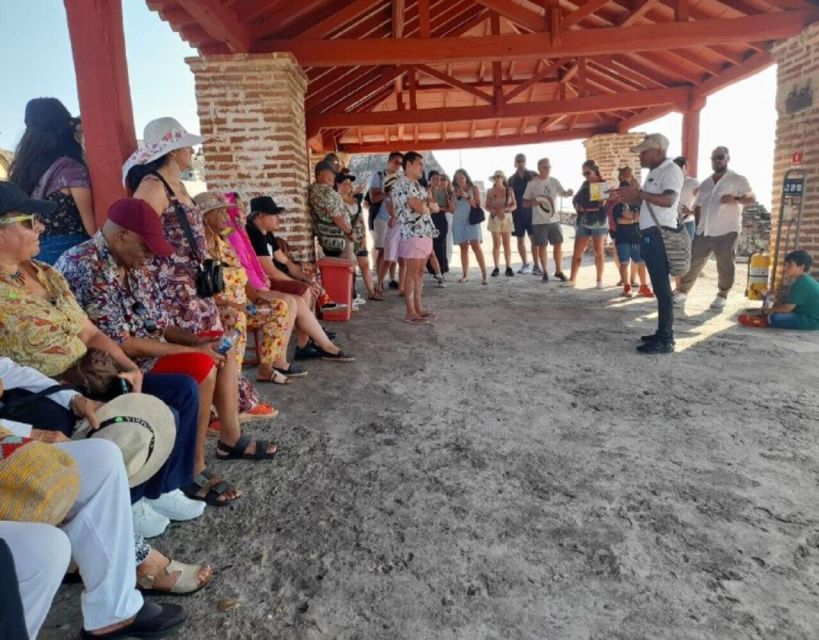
691, 136
98, 46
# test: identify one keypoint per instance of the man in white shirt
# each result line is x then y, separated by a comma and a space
659, 202
541, 193
718, 210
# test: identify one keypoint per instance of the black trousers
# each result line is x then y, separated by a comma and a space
439, 243
12, 619
653, 252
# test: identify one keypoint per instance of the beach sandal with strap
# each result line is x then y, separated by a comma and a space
225, 451
207, 487
185, 585
276, 377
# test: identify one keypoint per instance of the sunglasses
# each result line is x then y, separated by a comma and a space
587, 173
28, 220
149, 324
722, 157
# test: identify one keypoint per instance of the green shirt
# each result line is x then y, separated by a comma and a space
804, 293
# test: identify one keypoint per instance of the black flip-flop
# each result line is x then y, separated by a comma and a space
225, 451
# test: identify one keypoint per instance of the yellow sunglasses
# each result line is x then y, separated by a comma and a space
28, 220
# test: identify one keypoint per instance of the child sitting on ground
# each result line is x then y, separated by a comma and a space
801, 311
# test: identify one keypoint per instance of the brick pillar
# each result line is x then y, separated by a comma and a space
796, 130
611, 151
251, 112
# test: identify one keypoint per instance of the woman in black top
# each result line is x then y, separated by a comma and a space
590, 204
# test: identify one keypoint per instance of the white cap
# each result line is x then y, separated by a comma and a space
652, 141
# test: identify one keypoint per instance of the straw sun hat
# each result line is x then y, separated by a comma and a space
161, 136
143, 429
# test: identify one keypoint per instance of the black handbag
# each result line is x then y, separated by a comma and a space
210, 278
476, 215
38, 410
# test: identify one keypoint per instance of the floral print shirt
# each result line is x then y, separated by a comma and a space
413, 225
326, 204
119, 309
38, 332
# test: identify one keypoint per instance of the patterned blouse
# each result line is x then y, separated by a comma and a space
64, 173
120, 310
326, 204
234, 274
413, 225
176, 274
37, 332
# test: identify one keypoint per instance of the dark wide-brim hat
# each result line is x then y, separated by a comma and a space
48, 112
13, 198
265, 204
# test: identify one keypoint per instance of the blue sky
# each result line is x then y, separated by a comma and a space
36, 51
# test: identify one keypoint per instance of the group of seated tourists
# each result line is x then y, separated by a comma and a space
133, 294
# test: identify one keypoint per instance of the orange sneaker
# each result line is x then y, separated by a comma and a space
645, 291
627, 292
748, 320
261, 411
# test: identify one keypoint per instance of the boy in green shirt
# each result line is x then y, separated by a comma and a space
801, 311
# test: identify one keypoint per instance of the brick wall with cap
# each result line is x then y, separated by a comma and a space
251, 112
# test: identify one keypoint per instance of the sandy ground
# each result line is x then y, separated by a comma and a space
519, 471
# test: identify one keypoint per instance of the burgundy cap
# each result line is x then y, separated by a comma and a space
138, 216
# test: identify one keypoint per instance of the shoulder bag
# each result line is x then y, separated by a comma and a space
37, 409
677, 245
210, 279
476, 215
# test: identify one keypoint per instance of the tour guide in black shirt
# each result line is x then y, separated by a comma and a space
284, 274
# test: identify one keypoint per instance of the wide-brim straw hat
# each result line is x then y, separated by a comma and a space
209, 201
160, 137
497, 174
142, 427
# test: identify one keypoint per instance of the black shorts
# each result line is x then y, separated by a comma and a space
522, 219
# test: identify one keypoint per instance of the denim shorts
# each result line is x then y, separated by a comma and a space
626, 252
582, 231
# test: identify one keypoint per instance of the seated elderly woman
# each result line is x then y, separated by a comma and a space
274, 318
63, 407
43, 326
98, 535
107, 276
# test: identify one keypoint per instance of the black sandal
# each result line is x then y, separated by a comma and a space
202, 481
237, 451
151, 621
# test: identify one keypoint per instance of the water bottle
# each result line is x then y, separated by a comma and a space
227, 340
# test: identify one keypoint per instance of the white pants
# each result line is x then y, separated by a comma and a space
98, 533
449, 241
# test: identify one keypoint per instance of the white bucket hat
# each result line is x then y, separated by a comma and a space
160, 137
142, 427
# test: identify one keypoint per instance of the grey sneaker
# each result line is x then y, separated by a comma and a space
718, 303
525, 268
537, 271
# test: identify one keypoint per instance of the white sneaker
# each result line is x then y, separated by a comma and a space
718, 303
678, 297
147, 522
526, 268
599, 285
359, 300
175, 505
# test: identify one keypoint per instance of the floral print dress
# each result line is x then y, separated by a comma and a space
271, 318
176, 276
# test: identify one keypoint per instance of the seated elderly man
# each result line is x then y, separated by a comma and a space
98, 534
106, 276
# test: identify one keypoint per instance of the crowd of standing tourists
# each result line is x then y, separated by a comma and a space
144, 320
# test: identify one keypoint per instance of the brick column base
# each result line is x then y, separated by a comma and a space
251, 112
797, 106
611, 151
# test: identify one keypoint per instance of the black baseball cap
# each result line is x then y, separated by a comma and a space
13, 198
341, 177
265, 204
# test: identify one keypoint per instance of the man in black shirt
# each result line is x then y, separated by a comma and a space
522, 216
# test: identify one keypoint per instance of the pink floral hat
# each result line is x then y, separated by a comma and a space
161, 136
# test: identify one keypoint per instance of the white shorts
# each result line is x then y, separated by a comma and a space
379, 231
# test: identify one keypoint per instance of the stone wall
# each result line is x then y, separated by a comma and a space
251, 112
611, 151
797, 129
